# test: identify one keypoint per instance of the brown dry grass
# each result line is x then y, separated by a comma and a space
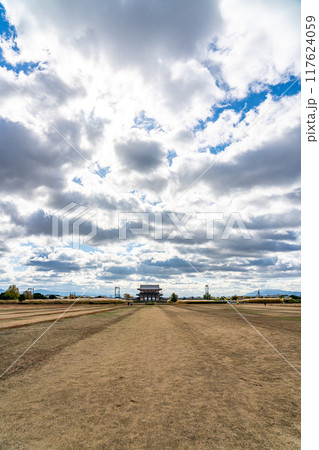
159, 377
13, 317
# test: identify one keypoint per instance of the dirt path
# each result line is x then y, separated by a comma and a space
161, 378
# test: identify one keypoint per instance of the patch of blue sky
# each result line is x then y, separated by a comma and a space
25, 67
171, 154
216, 149
9, 33
87, 248
147, 123
213, 45
136, 192
131, 246
77, 181
102, 171
253, 100
7, 30
291, 87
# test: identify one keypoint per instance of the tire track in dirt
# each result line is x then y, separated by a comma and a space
242, 363
37, 356
60, 315
264, 321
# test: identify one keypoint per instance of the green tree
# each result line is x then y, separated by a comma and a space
13, 292
234, 297
28, 295
174, 297
207, 297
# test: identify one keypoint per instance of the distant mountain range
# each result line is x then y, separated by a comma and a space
272, 292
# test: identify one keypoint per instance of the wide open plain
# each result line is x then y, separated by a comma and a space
157, 377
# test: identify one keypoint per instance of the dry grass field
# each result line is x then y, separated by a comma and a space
156, 377
13, 316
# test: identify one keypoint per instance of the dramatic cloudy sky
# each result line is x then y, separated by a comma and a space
123, 107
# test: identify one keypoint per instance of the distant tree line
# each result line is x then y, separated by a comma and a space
13, 293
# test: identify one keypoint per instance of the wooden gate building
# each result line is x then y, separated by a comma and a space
149, 293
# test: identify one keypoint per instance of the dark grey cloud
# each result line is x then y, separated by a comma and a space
274, 164
103, 202
285, 236
195, 264
49, 89
44, 261
239, 267
94, 127
29, 162
36, 224
263, 262
140, 155
56, 266
122, 270
131, 32
294, 196
3, 248
254, 246
289, 219
104, 236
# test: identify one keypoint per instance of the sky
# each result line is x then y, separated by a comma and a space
127, 126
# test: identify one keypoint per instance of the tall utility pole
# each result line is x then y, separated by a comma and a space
206, 295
